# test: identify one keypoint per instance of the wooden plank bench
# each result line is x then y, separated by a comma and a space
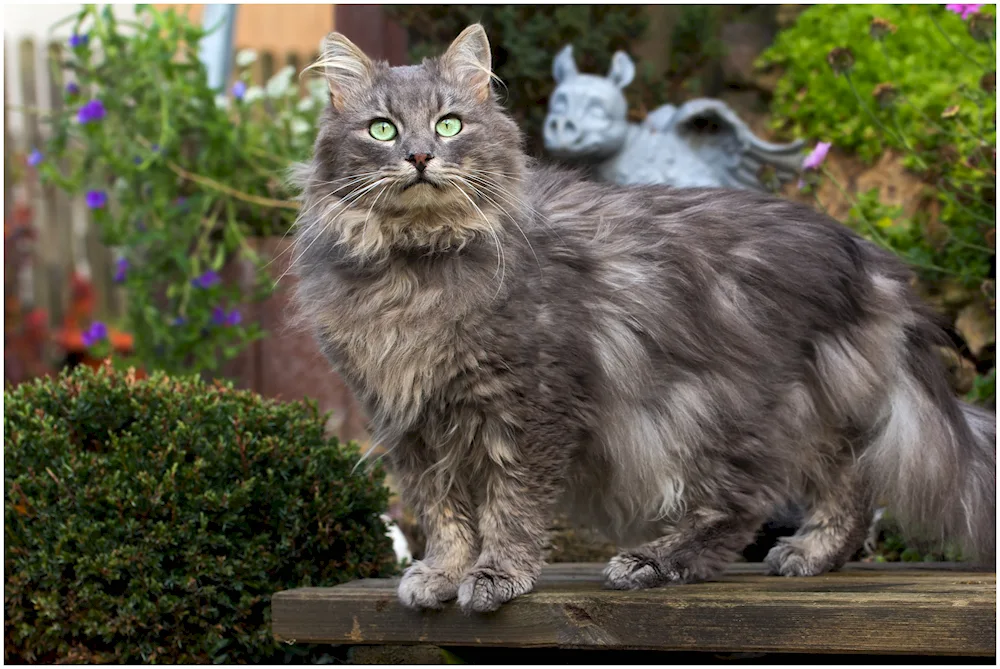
886, 609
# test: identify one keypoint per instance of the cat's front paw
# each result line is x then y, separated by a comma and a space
631, 571
485, 588
425, 587
786, 559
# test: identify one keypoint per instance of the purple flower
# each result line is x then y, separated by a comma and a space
155, 148
121, 268
78, 40
96, 199
221, 318
206, 280
95, 333
72, 88
35, 158
816, 156
239, 90
179, 321
137, 160
963, 10
91, 111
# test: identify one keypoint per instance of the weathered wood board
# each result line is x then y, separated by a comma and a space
871, 609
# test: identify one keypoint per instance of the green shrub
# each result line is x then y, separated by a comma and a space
526, 38
151, 520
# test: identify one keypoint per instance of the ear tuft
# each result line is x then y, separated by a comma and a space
470, 60
346, 67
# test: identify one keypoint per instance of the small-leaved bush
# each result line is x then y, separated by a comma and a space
151, 520
179, 178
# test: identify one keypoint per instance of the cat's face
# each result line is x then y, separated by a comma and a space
419, 142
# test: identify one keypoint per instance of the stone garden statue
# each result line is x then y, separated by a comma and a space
700, 143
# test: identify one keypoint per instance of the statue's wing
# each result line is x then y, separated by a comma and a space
726, 143
660, 118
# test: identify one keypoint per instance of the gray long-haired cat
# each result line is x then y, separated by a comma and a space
670, 365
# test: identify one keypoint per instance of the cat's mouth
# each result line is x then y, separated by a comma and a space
420, 179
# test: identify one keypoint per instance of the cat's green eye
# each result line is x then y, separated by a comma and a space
382, 130
449, 126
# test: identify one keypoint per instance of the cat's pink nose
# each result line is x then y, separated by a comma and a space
419, 160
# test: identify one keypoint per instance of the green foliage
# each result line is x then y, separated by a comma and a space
187, 173
931, 74
694, 43
984, 389
890, 546
151, 520
526, 38
920, 81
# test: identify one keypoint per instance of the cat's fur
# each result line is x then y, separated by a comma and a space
670, 365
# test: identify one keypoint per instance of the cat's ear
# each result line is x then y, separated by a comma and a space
564, 67
469, 59
622, 70
346, 67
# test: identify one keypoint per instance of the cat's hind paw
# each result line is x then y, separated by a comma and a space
484, 589
424, 587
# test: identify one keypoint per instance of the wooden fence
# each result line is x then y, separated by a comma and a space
66, 241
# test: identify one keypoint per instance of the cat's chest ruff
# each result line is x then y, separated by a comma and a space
399, 341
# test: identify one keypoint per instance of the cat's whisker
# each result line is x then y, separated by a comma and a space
506, 175
347, 198
355, 182
499, 189
542, 218
512, 220
501, 255
501, 258
347, 201
351, 198
511, 196
374, 202
359, 189
302, 214
350, 177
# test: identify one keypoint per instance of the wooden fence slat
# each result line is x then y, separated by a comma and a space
293, 60
266, 67
89, 250
257, 72
42, 293
61, 264
8, 177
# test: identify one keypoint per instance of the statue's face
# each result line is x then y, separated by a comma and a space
586, 119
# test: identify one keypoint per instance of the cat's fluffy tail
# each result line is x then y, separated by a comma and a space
933, 459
